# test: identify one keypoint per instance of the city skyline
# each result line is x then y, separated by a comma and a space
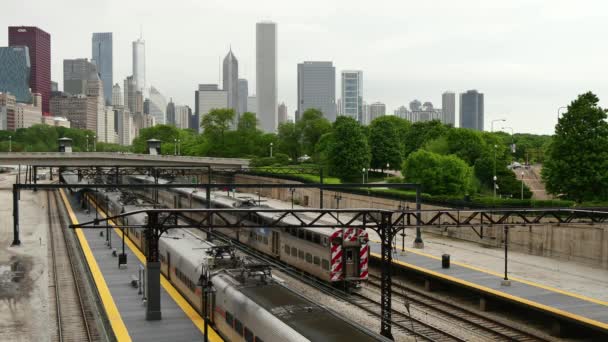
525, 69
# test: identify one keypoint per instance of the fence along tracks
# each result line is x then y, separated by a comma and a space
72, 316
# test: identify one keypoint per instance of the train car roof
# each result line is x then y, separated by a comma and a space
313, 321
222, 198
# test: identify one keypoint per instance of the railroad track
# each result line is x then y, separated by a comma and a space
71, 315
406, 324
465, 319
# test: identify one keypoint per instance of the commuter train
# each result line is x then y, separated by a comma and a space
247, 303
332, 255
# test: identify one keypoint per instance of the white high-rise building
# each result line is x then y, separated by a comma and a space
117, 99
266, 75
124, 124
376, 110
352, 94
182, 117
139, 64
448, 105
208, 97
158, 106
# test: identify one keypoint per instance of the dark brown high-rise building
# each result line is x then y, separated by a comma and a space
39, 44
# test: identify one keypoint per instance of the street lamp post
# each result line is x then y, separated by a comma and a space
270, 150
87, 136
497, 120
512, 138
522, 185
10, 143
174, 147
495, 178
94, 143
363, 175
179, 147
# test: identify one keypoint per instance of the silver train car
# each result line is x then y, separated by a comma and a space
247, 303
332, 255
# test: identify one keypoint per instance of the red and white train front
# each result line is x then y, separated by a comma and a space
349, 254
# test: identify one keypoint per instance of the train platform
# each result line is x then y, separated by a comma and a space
557, 303
123, 303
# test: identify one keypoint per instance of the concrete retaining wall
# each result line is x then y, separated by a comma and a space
584, 243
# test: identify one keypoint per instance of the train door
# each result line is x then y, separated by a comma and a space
169, 266
351, 262
276, 243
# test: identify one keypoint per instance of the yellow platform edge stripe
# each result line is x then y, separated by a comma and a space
194, 316
523, 281
501, 294
116, 322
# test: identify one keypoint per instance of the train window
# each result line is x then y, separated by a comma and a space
301, 233
229, 318
308, 235
265, 240
316, 238
287, 249
251, 234
316, 260
259, 238
238, 326
309, 258
248, 335
301, 254
294, 252
325, 241
325, 264
349, 255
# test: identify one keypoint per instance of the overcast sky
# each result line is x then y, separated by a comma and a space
528, 57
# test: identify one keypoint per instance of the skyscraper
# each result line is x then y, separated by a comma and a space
15, 72
266, 75
471, 110
208, 97
376, 110
101, 55
117, 99
139, 65
282, 113
158, 106
352, 94
76, 74
448, 105
39, 46
317, 88
230, 84
171, 119
243, 94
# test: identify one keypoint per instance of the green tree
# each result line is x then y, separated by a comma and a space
438, 175
167, 134
422, 132
385, 145
289, 140
577, 164
466, 144
217, 122
312, 125
349, 151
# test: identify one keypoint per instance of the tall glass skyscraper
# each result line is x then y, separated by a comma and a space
101, 56
317, 88
230, 80
243, 94
139, 64
15, 71
266, 75
158, 106
39, 45
352, 94
471, 110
